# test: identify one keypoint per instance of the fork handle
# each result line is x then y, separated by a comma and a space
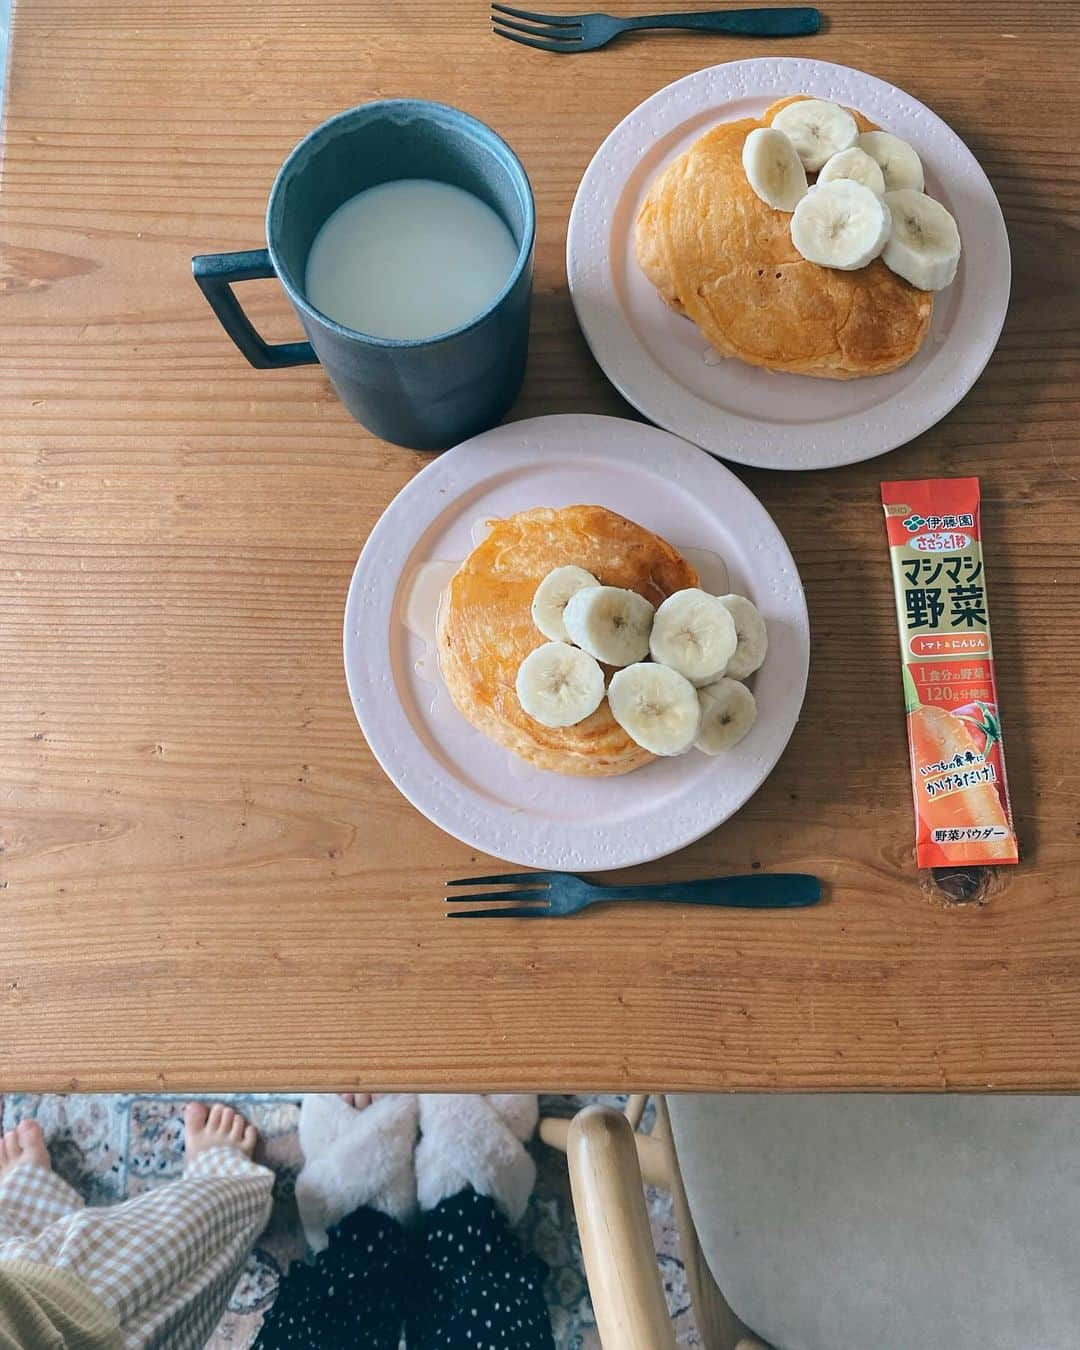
761, 890
741, 22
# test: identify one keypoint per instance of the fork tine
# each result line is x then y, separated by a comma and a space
498, 895
552, 34
521, 912
559, 20
507, 878
532, 42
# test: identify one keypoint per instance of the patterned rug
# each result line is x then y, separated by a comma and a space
112, 1147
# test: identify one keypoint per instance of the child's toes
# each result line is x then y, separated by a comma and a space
249, 1140
216, 1112
237, 1126
195, 1115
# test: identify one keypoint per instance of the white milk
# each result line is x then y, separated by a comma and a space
409, 259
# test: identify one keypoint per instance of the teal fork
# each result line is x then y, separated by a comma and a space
569, 33
554, 895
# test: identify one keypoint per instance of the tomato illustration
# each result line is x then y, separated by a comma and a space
982, 718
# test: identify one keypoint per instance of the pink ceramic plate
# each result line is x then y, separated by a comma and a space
478, 791
659, 360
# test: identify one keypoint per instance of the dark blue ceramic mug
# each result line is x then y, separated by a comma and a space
425, 393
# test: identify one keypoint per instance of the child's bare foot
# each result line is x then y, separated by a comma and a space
220, 1127
356, 1099
24, 1144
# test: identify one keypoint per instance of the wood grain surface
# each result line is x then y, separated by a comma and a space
205, 880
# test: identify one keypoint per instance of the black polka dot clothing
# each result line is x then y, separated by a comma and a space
479, 1289
459, 1281
353, 1294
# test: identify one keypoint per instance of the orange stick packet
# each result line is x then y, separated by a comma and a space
962, 812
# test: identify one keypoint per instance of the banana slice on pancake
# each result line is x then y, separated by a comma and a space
773, 168
752, 643
728, 711
900, 165
924, 246
559, 685
609, 623
656, 707
841, 224
552, 596
695, 634
857, 165
817, 128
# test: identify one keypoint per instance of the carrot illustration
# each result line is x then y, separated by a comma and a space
940, 737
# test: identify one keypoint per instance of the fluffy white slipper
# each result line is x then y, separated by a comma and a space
354, 1158
476, 1141
323, 1117
520, 1111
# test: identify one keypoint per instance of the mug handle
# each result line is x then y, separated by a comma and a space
216, 273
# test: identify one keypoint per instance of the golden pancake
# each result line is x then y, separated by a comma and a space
486, 628
720, 255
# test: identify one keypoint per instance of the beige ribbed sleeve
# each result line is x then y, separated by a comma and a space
51, 1310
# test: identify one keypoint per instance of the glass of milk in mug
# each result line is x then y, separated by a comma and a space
402, 232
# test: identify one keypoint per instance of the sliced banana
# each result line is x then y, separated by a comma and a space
857, 165
817, 128
924, 247
840, 224
609, 623
773, 168
656, 707
753, 640
728, 711
559, 685
551, 597
693, 633
900, 166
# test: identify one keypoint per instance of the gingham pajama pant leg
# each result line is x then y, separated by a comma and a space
165, 1262
32, 1198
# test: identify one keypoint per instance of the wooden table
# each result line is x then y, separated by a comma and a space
207, 881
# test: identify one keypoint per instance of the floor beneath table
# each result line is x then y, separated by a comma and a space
111, 1147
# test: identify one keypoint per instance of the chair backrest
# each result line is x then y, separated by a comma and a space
867, 1222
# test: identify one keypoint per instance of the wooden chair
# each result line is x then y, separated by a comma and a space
837, 1222
610, 1159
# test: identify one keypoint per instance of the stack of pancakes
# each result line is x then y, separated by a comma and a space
720, 255
486, 628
